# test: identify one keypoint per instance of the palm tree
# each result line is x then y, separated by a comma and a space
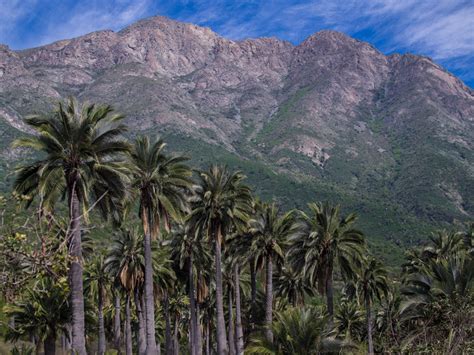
125, 263
271, 231
80, 145
160, 181
164, 282
97, 280
298, 331
222, 203
442, 293
371, 284
388, 320
240, 245
191, 255
237, 254
292, 286
442, 244
43, 312
326, 240
349, 321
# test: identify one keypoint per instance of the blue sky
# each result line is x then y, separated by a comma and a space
441, 29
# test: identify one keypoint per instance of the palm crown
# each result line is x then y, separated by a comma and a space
325, 240
161, 181
80, 147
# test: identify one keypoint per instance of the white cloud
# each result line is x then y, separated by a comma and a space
92, 16
11, 12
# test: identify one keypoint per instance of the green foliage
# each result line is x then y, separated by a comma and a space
42, 311
298, 331
428, 307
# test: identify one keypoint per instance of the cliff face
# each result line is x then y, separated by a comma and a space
333, 110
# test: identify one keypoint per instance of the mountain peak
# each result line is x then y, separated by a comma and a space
328, 36
332, 109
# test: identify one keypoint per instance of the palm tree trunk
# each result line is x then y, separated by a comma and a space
269, 300
141, 324
149, 298
221, 337
50, 343
128, 326
68, 338
330, 295
166, 310
231, 330
101, 345
63, 343
175, 336
239, 334
208, 336
253, 285
198, 330
369, 326
75, 273
117, 334
192, 302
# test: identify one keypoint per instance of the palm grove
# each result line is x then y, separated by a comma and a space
130, 250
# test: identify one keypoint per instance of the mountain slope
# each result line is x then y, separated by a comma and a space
332, 118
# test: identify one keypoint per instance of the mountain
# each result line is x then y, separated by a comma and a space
331, 118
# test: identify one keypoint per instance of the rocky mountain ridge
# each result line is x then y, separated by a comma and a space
332, 111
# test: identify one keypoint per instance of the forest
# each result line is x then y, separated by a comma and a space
112, 244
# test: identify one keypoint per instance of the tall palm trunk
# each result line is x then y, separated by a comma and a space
221, 337
253, 285
369, 326
75, 272
117, 334
208, 336
330, 294
141, 338
239, 334
193, 329
175, 336
166, 310
269, 300
198, 330
149, 298
128, 326
50, 344
231, 330
100, 316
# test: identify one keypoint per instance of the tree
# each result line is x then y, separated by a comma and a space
442, 244
80, 146
125, 263
298, 331
97, 279
222, 202
237, 254
371, 284
271, 231
160, 181
326, 240
164, 282
43, 311
292, 286
349, 321
438, 303
191, 256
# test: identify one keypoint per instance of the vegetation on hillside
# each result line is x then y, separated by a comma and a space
124, 247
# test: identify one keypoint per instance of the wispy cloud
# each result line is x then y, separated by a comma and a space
442, 29
31, 23
13, 11
93, 16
